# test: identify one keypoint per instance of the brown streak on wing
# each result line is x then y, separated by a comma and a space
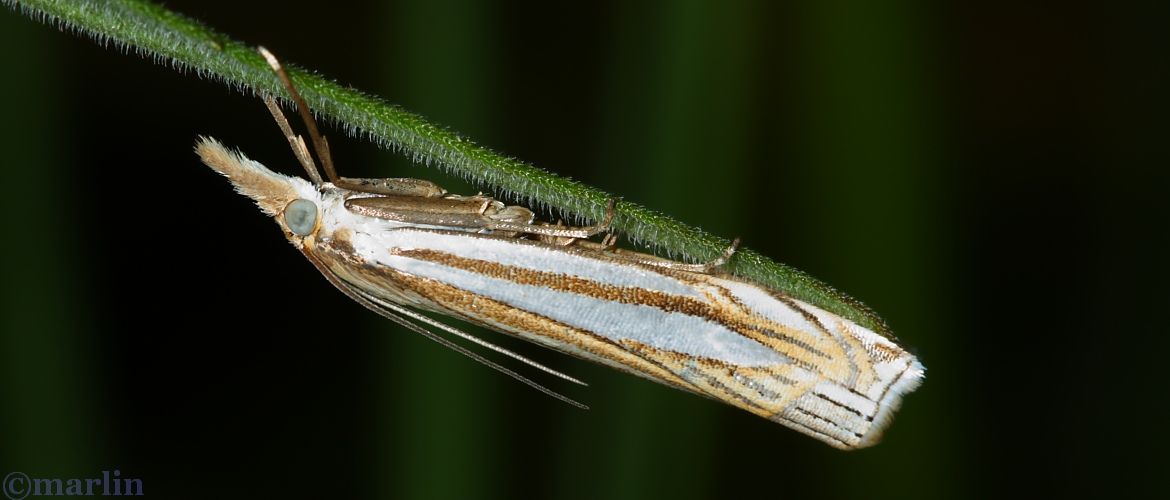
768, 391
783, 340
845, 350
530, 326
563, 282
741, 387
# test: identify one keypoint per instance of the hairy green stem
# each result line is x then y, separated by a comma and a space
188, 45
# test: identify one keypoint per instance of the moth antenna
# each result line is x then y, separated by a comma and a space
380, 307
296, 142
319, 142
472, 338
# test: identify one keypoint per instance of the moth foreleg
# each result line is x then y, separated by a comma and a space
396, 186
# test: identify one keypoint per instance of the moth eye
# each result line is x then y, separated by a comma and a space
300, 216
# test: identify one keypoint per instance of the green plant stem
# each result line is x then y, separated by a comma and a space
188, 45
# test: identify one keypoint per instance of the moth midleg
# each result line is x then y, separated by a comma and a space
503, 220
559, 231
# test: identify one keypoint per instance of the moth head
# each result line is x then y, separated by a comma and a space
292, 201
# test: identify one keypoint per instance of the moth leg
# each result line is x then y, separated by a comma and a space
395, 186
607, 244
450, 220
708, 267
724, 258
558, 231
462, 212
393, 206
471, 221
468, 212
563, 240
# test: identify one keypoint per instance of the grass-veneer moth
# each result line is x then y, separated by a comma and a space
397, 245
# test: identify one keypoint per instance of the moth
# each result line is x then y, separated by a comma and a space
397, 246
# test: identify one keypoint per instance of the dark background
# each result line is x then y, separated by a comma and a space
990, 177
